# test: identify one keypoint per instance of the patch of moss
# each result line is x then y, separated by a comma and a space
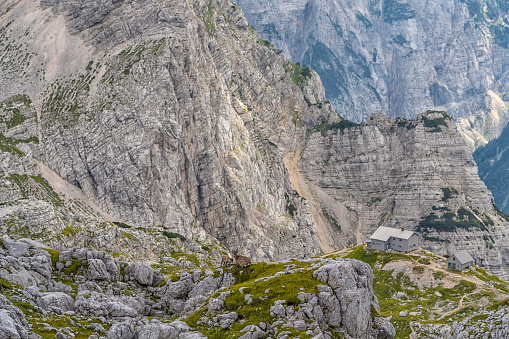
323, 128
70, 230
121, 224
299, 74
10, 107
436, 122
192, 258
171, 235
54, 255
373, 257
73, 268
285, 287
449, 221
448, 193
4, 284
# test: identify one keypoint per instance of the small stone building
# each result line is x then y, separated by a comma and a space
460, 260
395, 239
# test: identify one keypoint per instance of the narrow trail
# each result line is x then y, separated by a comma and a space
460, 304
412, 335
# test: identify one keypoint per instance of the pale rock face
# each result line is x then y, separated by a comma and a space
399, 57
394, 173
165, 127
12, 321
351, 284
56, 300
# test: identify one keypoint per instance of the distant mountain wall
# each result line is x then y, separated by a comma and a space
400, 57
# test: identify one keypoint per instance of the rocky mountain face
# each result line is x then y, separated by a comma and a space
493, 163
175, 130
163, 119
394, 173
82, 293
400, 57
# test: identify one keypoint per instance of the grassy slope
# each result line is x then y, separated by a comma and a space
432, 294
248, 281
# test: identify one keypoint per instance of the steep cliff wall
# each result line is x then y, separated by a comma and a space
417, 174
399, 57
492, 161
171, 115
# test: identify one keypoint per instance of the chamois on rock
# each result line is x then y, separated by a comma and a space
226, 260
241, 260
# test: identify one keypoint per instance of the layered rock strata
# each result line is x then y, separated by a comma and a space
394, 173
151, 121
399, 57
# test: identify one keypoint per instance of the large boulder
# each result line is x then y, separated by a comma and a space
16, 249
158, 330
123, 330
13, 324
141, 273
97, 270
351, 282
56, 300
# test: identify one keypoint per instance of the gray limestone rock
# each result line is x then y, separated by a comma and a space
123, 330
57, 300
141, 273
384, 327
386, 56
352, 284
97, 270
12, 321
16, 248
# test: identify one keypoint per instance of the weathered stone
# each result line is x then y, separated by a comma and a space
12, 321
97, 270
16, 248
124, 330
141, 273
57, 300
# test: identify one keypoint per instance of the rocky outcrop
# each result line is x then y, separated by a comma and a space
12, 320
399, 57
393, 172
343, 301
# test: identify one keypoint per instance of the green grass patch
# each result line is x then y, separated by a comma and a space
121, 224
73, 268
449, 221
191, 258
171, 235
285, 287
70, 230
299, 74
4, 284
323, 128
374, 257
54, 255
